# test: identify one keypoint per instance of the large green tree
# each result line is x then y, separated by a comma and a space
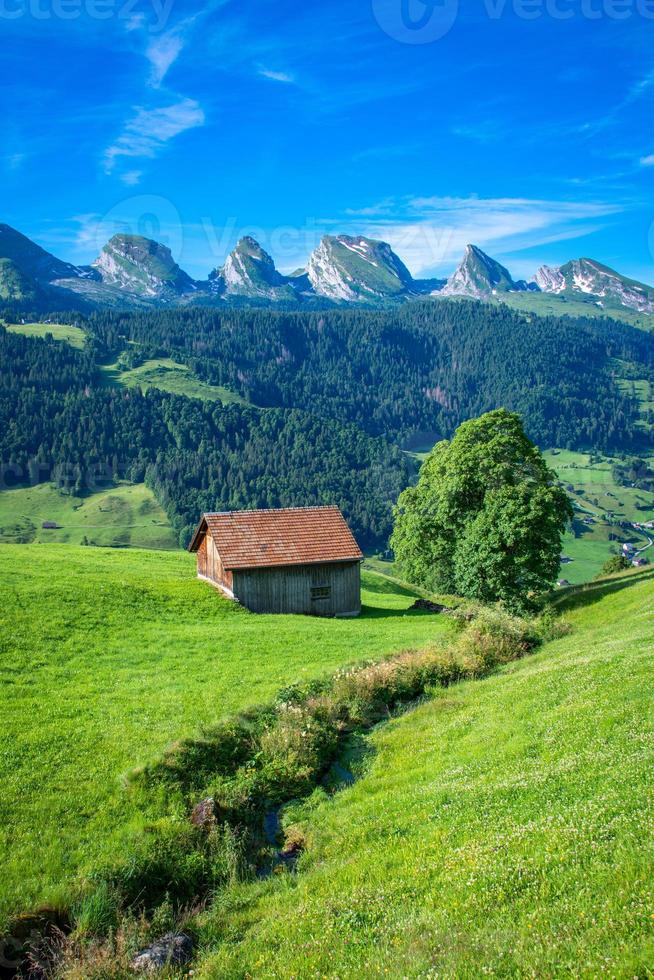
487, 516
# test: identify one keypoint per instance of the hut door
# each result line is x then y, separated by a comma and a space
202, 557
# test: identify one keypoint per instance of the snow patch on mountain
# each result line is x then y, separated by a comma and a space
590, 278
549, 279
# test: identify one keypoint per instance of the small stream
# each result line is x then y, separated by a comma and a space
337, 777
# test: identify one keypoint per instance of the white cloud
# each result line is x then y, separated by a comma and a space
277, 76
131, 177
430, 234
647, 161
85, 229
162, 53
639, 88
13, 161
150, 129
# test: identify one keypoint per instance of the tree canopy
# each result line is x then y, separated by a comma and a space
615, 564
487, 516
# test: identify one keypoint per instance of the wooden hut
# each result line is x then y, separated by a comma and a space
294, 560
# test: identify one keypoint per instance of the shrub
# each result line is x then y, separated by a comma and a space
220, 749
167, 860
550, 626
614, 565
494, 637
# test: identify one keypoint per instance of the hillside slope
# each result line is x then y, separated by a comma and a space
504, 828
126, 516
105, 657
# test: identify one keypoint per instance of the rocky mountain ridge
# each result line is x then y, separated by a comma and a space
133, 272
591, 278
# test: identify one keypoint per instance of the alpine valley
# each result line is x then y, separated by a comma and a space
136, 273
126, 384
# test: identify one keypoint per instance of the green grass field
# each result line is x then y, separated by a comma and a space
505, 828
170, 376
127, 516
105, 657
598, 497
68, 334
548, 304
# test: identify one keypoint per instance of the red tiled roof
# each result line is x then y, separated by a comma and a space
291, 536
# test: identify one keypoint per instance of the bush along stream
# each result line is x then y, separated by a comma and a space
229, 800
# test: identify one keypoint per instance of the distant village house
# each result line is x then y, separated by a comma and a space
292, 560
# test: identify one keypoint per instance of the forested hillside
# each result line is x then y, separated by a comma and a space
325, 401
424, 368
57, 421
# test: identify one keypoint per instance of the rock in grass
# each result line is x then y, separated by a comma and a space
205, 814
429, 606
173, 949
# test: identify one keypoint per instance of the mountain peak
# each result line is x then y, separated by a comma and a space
134, 272
249, 244
357, 269
478, 275
248, 251
249, 271
30, 259
141, 266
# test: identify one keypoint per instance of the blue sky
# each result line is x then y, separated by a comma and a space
524, 126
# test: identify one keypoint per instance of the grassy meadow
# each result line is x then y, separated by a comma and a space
171, 376
68, 334
641, 390
504, 828
126, 516
596, 496
549, 304
107, 656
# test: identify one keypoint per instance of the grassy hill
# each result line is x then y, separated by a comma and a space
107, 656
169, 375
63, 332
127, 516
549, 304
641, 390
598, 498
504, 828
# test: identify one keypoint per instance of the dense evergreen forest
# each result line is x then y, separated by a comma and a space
333, 396
57, 422
421, 369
